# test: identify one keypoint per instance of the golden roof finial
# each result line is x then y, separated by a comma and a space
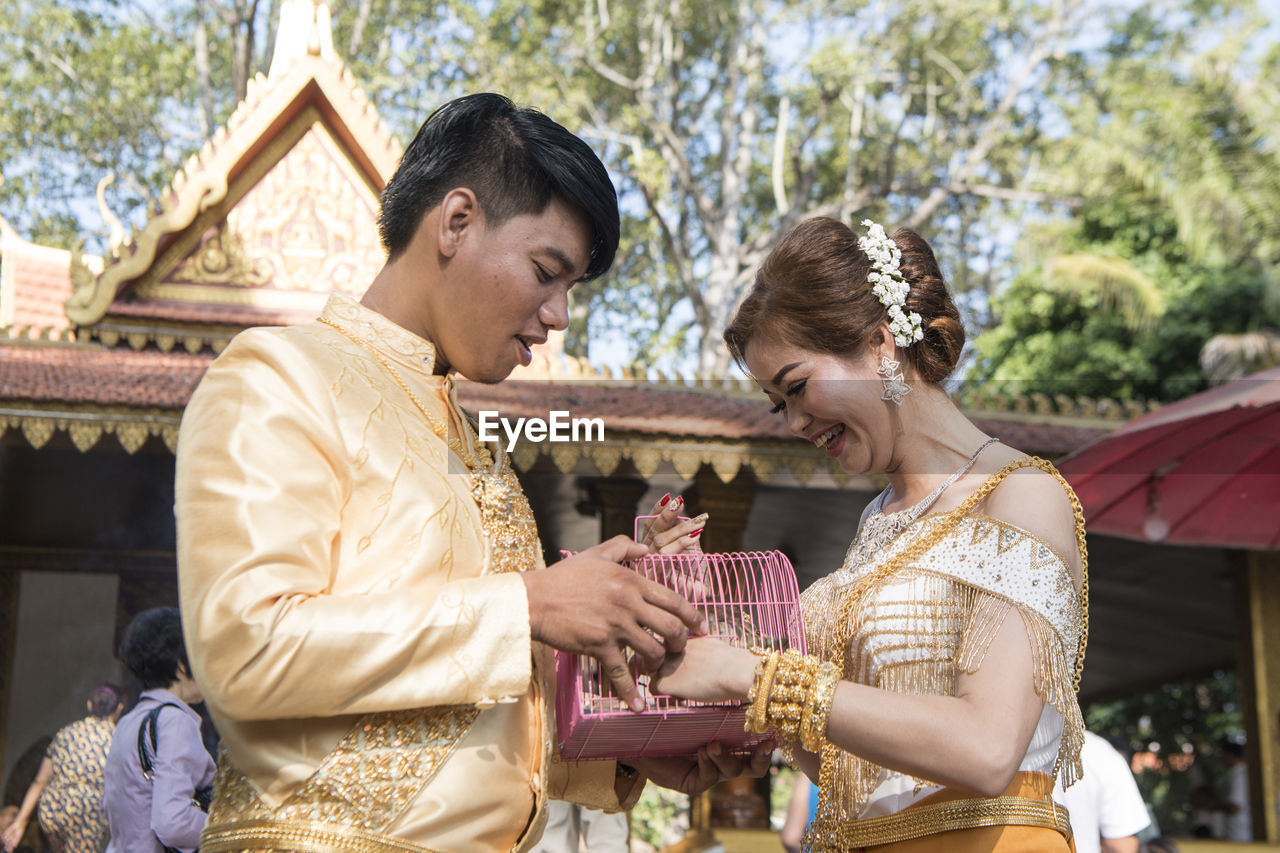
303, 30
116, 238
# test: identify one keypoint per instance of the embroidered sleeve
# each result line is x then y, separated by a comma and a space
289, 615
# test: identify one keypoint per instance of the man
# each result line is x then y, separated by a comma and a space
367, 610
1107, 810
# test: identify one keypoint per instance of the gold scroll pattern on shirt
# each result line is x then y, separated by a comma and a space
386, 759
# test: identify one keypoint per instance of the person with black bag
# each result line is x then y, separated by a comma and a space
159, 777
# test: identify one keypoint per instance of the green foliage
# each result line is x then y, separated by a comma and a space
1176, 732
660, 817
1173, 242
1068, 341
724, 122
88, 90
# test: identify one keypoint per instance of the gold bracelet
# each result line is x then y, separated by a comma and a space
817, 707
761, 687
791, 685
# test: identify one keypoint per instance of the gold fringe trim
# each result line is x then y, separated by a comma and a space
934, 661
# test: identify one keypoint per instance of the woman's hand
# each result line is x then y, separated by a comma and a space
712, 764
13, 834
708, 670
667, 534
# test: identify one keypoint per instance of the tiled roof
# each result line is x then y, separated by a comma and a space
209, 313
86, 375
42, 282
123, 377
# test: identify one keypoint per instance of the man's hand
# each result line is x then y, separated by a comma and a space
588, 604
712, 764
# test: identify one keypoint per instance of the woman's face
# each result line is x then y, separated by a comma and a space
833, 401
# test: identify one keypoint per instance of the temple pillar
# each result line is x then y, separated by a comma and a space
9, 583
738, 803
616, 498
1258, 605
728, 504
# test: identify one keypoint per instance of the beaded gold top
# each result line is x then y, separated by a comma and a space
924, 608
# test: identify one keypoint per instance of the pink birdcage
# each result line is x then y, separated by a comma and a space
748, 599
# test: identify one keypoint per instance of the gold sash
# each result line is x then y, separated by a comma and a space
1026, 802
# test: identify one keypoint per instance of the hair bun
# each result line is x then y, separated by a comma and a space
938, 353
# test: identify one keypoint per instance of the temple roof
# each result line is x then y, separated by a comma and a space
277, 210
35, 281
135, 394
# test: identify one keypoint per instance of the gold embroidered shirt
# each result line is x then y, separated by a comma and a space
363, 648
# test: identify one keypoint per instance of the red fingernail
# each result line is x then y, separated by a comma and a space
680, 501
695, 534
664, 500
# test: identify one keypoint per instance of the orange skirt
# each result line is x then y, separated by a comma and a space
1005, 838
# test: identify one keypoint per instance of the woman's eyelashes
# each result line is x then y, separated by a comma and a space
790, 392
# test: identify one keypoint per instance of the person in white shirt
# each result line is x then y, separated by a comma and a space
1238, 825
1107, 810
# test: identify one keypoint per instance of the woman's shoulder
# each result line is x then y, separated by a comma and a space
1039, 502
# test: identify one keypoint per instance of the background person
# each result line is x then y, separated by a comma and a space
572, 828
68, 786
151, 815
1237, 823
1107, 809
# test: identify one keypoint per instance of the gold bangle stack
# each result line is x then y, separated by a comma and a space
792, 693
758, 695
817, 707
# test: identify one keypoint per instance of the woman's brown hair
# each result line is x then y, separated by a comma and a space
812, 292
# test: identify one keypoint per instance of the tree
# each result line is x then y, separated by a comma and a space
1174, 242
1176, 730
724, 121
918, 112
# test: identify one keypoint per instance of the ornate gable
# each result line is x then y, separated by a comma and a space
276, 211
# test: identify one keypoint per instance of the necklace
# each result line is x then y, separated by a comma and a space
879, 529
505, 515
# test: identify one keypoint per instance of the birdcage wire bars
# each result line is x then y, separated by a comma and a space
749, 599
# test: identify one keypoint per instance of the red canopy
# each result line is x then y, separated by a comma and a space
1202, 471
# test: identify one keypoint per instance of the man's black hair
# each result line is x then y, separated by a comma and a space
516, 160
152, 647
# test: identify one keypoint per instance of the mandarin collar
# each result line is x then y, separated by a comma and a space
395, 342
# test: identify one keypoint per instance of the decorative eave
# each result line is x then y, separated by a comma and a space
88, 391
86, 424
271, 109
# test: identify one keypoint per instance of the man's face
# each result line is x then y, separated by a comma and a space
506, 287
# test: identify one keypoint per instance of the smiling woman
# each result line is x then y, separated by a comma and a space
947, 647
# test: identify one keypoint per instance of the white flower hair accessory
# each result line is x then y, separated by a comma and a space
888, 284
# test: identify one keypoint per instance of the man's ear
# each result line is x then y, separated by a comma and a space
459, 214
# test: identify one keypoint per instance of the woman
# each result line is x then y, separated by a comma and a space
158, 769
938, 699
68, 786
